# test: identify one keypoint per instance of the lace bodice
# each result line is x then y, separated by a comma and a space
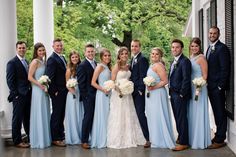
123, 75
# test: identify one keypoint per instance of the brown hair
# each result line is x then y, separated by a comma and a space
178, 41
72, 66
57, 40
102, 52
197, 41
36, 47
137, 41
20, 42
215, 27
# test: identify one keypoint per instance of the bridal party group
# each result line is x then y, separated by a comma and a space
95, 104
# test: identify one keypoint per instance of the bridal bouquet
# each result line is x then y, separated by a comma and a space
44, 80
149, 81
71, 83
125, 87
198, 83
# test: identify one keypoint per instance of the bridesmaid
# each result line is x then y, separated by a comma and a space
74, 108
157, 106
40, 136
198, 116
101, 74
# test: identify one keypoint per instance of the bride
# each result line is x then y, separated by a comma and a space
124, 130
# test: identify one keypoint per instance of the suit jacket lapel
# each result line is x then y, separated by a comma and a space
59, 60
18, 61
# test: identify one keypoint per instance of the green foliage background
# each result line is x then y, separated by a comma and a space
111, 23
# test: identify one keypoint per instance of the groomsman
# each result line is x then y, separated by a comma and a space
180, 92
20, 93
218, 58
87, 91
139, 67
56, 70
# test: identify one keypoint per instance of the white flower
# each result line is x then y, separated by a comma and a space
125, 86
199, 83
44, 80
149, 81
71, 83
109, 85
213, 48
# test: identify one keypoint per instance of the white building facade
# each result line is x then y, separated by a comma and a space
222, 13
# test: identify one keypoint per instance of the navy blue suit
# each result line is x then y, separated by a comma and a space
138, 72
180, 93
56, 71
87, 95
218, 83
20, 95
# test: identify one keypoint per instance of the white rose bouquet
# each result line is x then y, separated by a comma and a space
44, 80
125, 87
71, 83
199, 83
108, 85
149, 81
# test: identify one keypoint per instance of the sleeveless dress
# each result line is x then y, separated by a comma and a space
73, 118
99, 129
158, 114
198, 116
40, 135
124, 130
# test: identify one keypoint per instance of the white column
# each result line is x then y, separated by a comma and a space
7, 43
43, 23
195, 22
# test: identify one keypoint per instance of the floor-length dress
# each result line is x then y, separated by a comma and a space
158, 114
73, 118
198, 115
99, 129
40, 136
124, 130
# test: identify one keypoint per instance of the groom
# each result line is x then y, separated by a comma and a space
139, 66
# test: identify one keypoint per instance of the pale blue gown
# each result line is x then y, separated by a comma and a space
99, 129
73, 118
40, 135
158, 114
198, 116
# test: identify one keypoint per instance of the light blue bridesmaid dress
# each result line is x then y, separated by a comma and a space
73, 118
40, 136
158, 114
99, 129
198, 116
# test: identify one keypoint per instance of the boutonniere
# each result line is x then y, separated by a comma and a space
213, 49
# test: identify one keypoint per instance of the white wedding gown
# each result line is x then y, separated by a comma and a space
124, 130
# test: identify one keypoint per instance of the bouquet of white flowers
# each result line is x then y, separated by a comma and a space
71, 83
199, 83
44, 80
125, 87
109, 85
149, 81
